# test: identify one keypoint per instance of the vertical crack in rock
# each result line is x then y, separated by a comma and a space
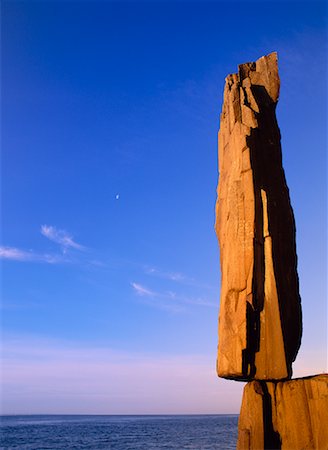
270, 334
260, 314
272, 439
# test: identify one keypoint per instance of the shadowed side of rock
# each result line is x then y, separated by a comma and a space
260, 314
284, 415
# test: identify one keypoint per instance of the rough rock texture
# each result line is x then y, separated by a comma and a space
260, 323
287, 415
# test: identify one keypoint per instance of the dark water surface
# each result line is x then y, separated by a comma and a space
210, 432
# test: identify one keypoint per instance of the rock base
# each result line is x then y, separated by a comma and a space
285, 415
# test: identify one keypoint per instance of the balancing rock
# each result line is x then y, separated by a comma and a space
286, 415
260, 322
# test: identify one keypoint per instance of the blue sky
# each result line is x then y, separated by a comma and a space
110, 263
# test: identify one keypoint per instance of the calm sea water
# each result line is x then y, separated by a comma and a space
211, 432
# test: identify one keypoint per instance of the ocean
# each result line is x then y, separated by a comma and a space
196, 432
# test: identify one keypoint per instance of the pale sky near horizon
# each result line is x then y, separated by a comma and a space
110, 264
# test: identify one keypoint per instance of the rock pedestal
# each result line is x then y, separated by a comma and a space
260, 314
290, 415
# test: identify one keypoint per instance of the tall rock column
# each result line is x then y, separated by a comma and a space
260, 323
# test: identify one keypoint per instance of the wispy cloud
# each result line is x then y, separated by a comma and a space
156, 299
170, 300
177, 277
142, 291
174, 276
61, 237
16, 254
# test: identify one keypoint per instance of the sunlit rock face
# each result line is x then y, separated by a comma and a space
260, 323
286, 415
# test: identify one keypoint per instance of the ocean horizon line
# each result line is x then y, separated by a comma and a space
115, 415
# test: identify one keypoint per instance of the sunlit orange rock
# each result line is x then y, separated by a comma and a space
286, 415
260, 322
